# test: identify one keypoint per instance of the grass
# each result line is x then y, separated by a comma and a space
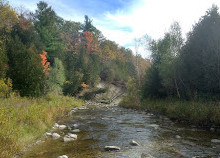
205, 114
23, 120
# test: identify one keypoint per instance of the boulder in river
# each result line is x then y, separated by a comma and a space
112, 148
178, 137
69, 137
134, 143
75, 130
61, 127
63, 156
55, 136
215, 140
155, 126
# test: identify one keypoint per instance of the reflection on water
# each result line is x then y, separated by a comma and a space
157, 136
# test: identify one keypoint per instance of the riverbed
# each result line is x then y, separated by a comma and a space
105, 125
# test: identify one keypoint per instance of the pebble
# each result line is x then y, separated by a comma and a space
55, 136
134, 143
215, 141
112, 148
63, 156
178, 137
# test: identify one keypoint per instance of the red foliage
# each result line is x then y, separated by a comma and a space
44, 62
91, 45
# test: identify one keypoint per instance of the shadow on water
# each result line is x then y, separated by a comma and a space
101, 126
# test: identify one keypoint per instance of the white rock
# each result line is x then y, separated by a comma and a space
49, 134
155, 126
61, 127
178, 137
63, 156
112, 148
215, 141
56, 125
75, 125
68, 139
55, 136
134, 143
75, 130
72, 135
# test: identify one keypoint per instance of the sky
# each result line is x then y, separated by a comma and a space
124, 20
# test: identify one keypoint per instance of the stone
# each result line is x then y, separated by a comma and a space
75, 125
75, 130
69, 137
55, 136
48, 134
212, 129
63, 156
178, 137
112, 148
134, 143
56, 125
72, 135
155, 126
61, 127
215, 141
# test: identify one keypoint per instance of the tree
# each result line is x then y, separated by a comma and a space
46, 23
200, 60
25, 69
8, 18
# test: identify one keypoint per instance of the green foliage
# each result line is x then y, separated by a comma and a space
200, 68
56, 77
5, 87
205, 114
25, 70
132, 98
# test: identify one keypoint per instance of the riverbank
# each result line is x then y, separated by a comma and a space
202, 114
24, 120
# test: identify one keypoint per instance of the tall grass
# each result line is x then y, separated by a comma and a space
204, 114
23, 120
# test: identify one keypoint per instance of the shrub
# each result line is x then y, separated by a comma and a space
5, 87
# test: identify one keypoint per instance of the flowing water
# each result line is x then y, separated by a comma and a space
101, 126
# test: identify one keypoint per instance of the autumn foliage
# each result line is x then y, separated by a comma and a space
44, 62
90, 43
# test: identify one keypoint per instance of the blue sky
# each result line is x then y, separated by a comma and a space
125, 20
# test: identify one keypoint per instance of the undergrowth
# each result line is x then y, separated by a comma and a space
23, 120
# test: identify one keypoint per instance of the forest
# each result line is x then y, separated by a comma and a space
42, 53
46, 61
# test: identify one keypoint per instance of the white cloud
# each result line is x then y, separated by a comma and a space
154, 18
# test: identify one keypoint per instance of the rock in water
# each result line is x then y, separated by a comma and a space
178, 137
55, 136
112, 148
75, 130
69, 137
61, 127
215, 141
63, 156
72, 135
134, 143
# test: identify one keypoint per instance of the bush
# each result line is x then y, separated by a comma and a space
5, 87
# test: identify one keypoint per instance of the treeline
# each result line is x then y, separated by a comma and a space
186, 69
42, 53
